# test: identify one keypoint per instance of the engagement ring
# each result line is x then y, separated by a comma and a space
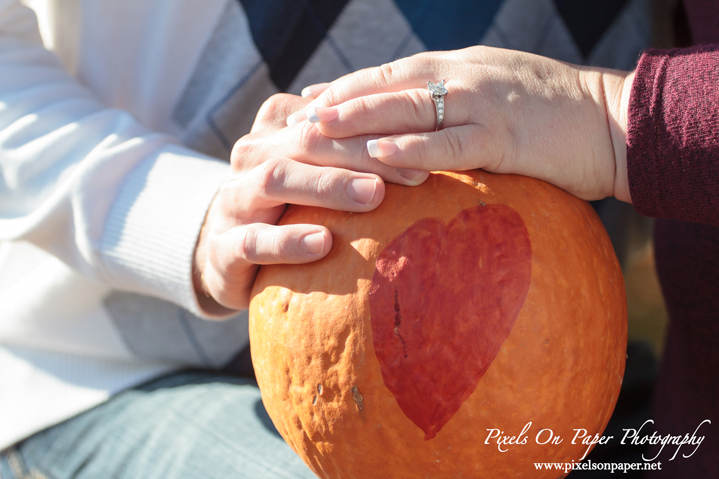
437, 91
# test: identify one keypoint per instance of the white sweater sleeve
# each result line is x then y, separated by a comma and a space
89, 184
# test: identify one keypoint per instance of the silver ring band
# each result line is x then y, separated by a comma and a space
439, 109
438, 91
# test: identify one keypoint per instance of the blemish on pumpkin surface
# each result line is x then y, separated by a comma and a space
285, 306
398, 322
357, 397
317, 396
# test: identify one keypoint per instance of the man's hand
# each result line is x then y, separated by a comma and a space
272, 166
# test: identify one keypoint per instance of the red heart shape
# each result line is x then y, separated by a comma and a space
443, 300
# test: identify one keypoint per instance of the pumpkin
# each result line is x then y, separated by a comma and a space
468, 327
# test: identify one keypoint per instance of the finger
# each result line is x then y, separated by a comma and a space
260, 243
312, 112
274, 111
305, 143
297, 117
230, 270
403, 74
459, 148
312, 147
408, 111
279, 181
310, 92
313, 91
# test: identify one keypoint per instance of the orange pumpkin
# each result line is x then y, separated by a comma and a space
468, 327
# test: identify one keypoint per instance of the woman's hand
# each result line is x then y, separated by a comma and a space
506, 111
272, 166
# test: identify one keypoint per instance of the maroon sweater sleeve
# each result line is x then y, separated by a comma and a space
673, 134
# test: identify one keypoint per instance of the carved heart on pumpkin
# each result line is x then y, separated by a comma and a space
443, 300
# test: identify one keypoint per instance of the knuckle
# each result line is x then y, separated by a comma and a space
324, 183
511, 146
365, 162
384, 73
430, 63
309, 137
247, 243
267, 177
332, 96
227, 194
424, 60
337, 92
242, 153
415, 104
274, 108
478, 50
454, 145
220, 263
422, 55
422, 149
360, 107
361, 160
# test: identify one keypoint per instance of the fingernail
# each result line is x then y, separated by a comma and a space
362, 190
381, 148
296, 117
411, 174
314, 243
313, 91
322, 113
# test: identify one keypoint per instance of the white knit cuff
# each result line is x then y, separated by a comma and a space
150, 235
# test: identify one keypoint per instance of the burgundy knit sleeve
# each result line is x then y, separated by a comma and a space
673, 134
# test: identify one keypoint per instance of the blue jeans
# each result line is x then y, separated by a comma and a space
183, 426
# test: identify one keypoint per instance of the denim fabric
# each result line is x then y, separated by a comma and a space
184, 426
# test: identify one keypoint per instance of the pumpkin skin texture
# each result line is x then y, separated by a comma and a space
472, 302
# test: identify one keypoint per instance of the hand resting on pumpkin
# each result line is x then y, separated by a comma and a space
271, 166
505, 112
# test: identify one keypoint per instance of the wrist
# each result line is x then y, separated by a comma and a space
205, 301
617, 87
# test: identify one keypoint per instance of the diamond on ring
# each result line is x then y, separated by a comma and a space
438, 91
